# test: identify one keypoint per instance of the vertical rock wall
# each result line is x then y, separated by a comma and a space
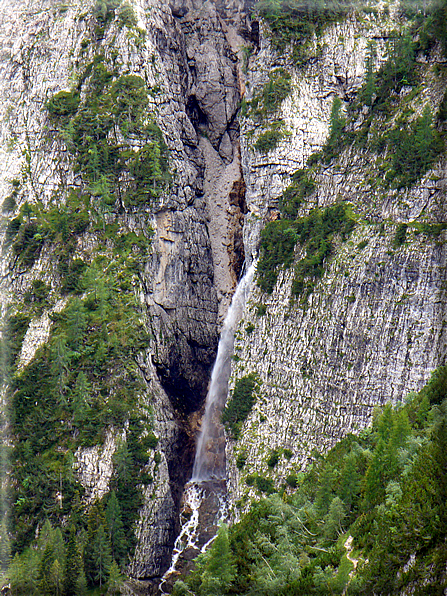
197, 251
374, 327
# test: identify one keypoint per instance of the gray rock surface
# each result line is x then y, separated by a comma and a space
375, 325
190, 276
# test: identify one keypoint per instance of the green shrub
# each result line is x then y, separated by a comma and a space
274, 92
71, 274
241, 460
151, 441
12, 229
436, 389
250, 480
269, 140
288, 453
316, 232
38, 293
261, 310
63, 104
15, 329
293, 197
240, 404
273, 458
28, 244
292, 480
363, 244
265, 485
400, 235
278, 240
126, 16
10, 204
249, 328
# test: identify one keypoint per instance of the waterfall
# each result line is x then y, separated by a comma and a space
210, 453
204, 503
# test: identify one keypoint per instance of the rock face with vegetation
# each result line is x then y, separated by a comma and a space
113, 277
147, 150
350, 304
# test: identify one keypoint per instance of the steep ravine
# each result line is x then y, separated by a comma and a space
197, 253
375, 325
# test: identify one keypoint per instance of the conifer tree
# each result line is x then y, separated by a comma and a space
81, 399
96, 519
101, 556
59, 366
219, 571
73, 563
115, 527
115, 579
56, 578
45, 579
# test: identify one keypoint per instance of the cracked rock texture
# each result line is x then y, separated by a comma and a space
375, 325
189, 52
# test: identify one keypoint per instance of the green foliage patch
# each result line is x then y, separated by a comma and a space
269, 140
269, 99
101, 131
315, 233
414, 149
385, 488
293, 197
240, 404
408, 146
294, 23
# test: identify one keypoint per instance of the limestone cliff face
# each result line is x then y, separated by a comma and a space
374, 327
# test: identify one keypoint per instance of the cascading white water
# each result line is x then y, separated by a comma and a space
210, 453
204, 502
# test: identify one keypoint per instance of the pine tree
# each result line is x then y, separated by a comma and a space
337, 122
45, 580
73, 563
81, 399
57, 578
101, 556
95, 520
76, 323
115, 527
115, 579
219, 571
59, 366
23, 573
81, 583
334, 519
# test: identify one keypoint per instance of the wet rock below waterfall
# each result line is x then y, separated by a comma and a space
203, 507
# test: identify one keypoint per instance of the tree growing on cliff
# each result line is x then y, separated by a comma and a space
219, 570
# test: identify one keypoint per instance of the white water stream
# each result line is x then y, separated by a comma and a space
210, 453
204, 502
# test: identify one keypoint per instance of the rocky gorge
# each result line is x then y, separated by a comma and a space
167, 217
